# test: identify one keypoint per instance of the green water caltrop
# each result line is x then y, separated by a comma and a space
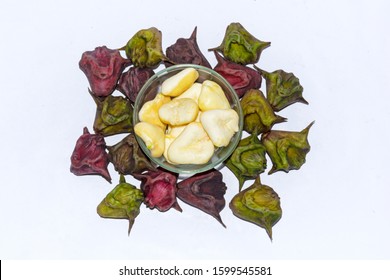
283, 89
258, 204
240, 46
144, 49
123, 202
287, 149
114, 115
248, 159
259, 117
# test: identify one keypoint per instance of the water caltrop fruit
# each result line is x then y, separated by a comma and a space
89, 156
144, 49
242, 78
248, 160
159, 187
283, 89
114, 115
123, 202
287, 149
240, 46
128, 158
131, 81
103, 67
204, 191
258, 204
186, 51
259, 116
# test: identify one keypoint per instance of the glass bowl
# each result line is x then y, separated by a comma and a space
150, 90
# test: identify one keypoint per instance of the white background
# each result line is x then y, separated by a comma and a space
335, 207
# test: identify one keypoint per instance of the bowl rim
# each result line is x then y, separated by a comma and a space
202, 167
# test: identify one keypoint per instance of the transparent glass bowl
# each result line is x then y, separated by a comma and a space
153, 86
